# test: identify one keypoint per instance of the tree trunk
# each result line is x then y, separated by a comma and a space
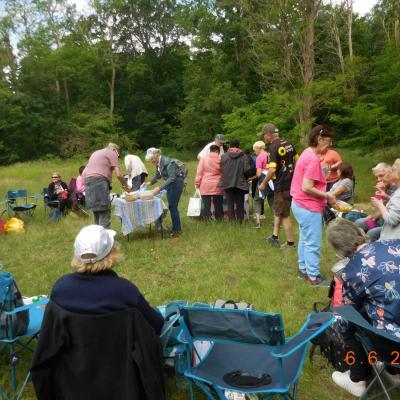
308, 65
397, 33
338, 42
66, 91
112, 90
350, 27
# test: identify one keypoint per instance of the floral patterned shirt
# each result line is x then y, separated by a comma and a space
371, 282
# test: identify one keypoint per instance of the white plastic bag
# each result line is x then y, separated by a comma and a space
194, 207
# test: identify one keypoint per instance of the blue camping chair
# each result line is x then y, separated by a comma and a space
17, 201
12, 342
52, 207
249, 353
364, 332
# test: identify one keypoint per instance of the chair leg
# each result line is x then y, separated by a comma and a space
372, 383
23, 386
13, 364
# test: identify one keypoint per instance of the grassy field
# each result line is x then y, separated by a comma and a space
209, 261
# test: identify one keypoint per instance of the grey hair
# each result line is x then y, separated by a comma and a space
113, 146
382, 166
344, 236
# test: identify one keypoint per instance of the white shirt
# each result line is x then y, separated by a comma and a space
206, 150
134, 166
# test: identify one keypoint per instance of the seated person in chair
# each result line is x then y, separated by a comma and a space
372, 224
371, 283
58, 190
84, 358
342, 189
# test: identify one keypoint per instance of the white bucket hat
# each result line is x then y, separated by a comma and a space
93, 243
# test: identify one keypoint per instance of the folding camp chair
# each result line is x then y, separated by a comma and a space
52, 207
249, 353
12, 342
17, 201
364, 332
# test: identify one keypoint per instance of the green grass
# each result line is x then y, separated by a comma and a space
209, 261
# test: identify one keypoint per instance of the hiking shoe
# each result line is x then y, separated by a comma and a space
257, 226
319, 281
343, 380
262, 216
302, 274
272, 241
288, 246
175, 234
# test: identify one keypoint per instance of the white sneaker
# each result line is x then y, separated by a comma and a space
343, 380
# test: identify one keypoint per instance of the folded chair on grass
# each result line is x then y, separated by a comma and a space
17, 201
249, 353
13, 343
365, 332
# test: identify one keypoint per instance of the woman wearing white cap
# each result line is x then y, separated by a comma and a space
174, 173
99, 337
95, 288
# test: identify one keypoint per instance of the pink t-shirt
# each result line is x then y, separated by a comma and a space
101, 163
308, 166
262, 160
80, 184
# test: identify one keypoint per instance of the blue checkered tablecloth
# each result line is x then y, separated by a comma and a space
138, 213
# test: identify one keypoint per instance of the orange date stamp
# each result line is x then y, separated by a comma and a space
350, 358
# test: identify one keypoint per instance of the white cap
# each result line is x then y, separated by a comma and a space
93, 243
150, 153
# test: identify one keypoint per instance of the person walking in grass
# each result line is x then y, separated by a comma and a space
98, 175
282, 158
234, 165
309, 195
208, 176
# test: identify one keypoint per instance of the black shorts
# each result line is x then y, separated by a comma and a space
282, 203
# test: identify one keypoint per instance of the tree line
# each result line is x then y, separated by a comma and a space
175, 73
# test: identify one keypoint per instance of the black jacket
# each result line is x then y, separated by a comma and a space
52, 194
233, 168
114, 356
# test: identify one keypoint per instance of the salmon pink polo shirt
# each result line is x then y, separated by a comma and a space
101, 163
308, 166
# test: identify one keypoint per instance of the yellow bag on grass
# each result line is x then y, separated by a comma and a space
14, 225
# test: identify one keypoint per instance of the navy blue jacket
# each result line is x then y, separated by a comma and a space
102, 293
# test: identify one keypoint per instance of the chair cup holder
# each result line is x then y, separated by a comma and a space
314, 326
246, 380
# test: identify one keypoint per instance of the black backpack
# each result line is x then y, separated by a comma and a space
249, 166
182, 169
329, 343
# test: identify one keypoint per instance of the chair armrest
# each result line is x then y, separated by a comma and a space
352, 315
315, 324
28, 306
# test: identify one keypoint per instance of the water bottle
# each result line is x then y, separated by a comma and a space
180, 366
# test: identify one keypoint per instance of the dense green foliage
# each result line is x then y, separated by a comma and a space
174, 73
